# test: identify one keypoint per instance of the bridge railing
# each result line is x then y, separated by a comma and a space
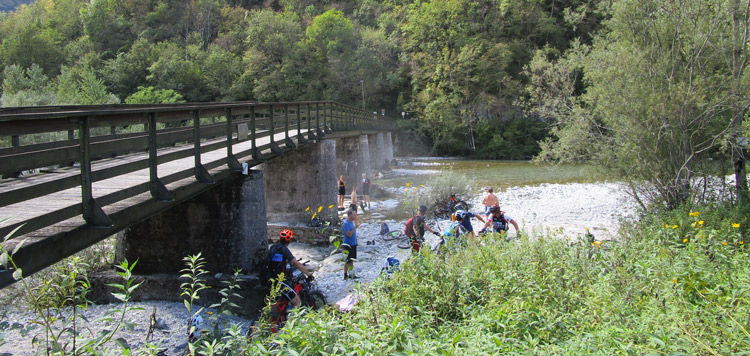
90, 133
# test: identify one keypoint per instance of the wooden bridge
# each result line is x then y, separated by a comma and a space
102, 169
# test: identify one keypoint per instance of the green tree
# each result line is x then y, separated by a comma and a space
106, 25
127, 71
26, 87
80, 86
149, 95
173, 71
659, 97
273, 58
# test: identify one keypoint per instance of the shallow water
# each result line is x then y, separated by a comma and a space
498, 174
480, 175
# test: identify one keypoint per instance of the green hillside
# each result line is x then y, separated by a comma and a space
11, 5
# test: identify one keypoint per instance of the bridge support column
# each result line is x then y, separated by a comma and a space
364, 156
352, 161
374, 153
380, 149
305, 177
388, 148
226, 224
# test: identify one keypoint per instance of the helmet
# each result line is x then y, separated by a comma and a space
460, 214
495, 209
286, 235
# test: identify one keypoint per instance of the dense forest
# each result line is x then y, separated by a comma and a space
455, 68
655, 91
10, 5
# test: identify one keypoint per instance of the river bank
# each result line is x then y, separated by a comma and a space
562, 209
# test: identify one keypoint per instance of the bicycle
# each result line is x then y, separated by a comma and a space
445, 209
310, 297
333, 228
403, 242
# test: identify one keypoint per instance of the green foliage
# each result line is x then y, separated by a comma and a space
26, 87
105, 24
11, 5
660, 99
454, 64
81, 86
154, 96
545, 295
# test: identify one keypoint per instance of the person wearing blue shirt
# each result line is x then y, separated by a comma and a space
467, 220
349, 245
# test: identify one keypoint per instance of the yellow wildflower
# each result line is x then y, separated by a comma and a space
674, 226
724, 243
695, 213
421, 185
742, 242
674, 280
701, 222
406, 189
308, 209
415, 189
666, 226
695, 224
408, 184
330, 206
209, 313
320, 208
314, 215
735, 225
684, 241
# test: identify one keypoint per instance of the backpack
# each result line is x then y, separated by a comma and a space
409, 229
384, 229
273, 264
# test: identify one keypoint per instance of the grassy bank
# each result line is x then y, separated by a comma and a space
676, 285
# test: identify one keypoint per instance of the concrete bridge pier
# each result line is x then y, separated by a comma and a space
388, 148
305, 177
352, 159
226, 224
380, 163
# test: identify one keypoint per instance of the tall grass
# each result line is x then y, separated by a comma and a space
654, 292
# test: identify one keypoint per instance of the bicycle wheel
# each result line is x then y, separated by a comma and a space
404, 242
391, 236
315, 300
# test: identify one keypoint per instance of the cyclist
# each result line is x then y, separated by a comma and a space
277, 259
456, 233
467, 219
418, 228
499, 221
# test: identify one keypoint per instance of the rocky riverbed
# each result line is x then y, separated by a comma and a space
563, 209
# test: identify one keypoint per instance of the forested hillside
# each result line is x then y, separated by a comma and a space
654, 91
455, 67
10, 5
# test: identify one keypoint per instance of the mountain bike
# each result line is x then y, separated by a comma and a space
311, 298
325, 227
445, 209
